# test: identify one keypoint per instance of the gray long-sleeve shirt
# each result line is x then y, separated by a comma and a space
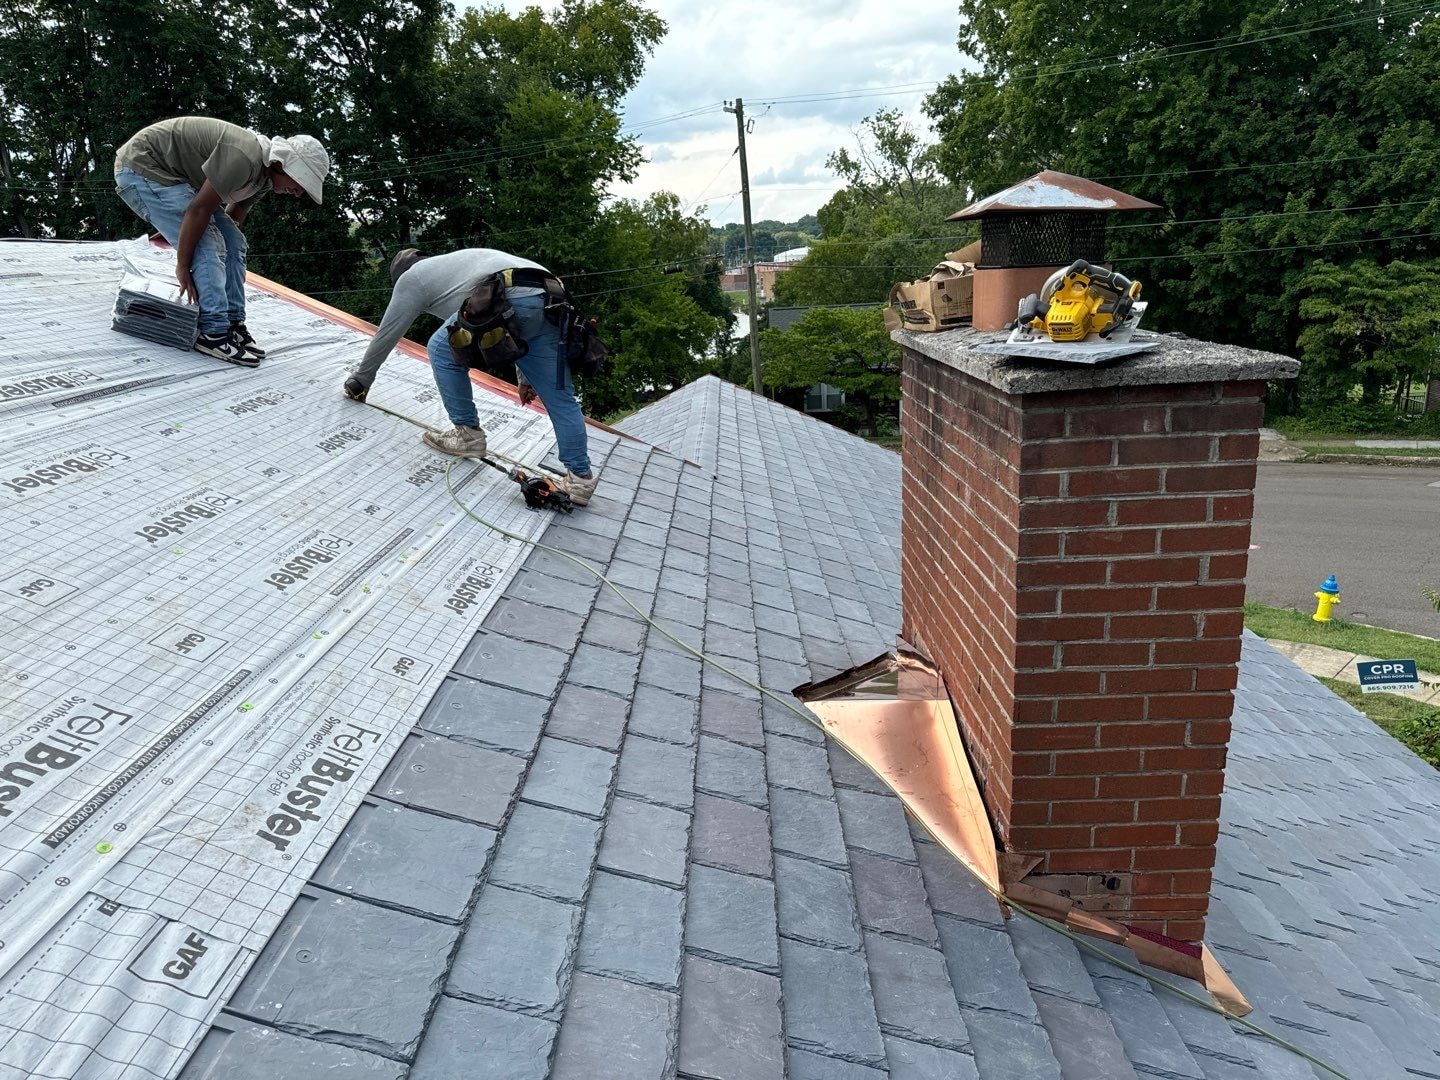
438, 285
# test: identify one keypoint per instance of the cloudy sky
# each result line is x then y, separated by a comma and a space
766, 49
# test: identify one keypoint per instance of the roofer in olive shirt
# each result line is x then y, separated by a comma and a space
194, 179
439, 284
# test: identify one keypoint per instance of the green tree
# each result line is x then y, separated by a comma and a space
848, 348
886, 225
1252, 121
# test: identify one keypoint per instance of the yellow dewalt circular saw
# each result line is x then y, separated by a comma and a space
1083, 302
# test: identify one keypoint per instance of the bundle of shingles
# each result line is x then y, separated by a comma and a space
152, 308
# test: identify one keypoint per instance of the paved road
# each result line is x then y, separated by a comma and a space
1376, 527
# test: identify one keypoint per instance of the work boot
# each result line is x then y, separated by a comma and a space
227, 347
238, 329
579, 488
458, 441
355, 390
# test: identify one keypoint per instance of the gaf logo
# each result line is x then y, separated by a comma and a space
81, 461
372, 510
409, 668
41, 384
36, 587
187, 642
185, 958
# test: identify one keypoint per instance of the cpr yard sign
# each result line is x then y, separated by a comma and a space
1385, 676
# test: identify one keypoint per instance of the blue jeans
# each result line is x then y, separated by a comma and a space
543, 366
219, 263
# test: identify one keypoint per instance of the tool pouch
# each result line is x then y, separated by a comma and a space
486, 332
585, 352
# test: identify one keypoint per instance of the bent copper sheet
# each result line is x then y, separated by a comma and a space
894, 715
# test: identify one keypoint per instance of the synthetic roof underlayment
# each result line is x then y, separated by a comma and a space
592, 858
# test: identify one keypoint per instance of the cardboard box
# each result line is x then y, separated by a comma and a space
942, 301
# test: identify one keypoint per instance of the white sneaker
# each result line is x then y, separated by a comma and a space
468, 442
579, 488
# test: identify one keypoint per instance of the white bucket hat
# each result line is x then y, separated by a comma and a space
304, 161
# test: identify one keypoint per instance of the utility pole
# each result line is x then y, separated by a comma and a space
756, 373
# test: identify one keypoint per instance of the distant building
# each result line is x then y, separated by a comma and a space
821, 398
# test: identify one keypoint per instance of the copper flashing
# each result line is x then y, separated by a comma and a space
1049, 190
894, 716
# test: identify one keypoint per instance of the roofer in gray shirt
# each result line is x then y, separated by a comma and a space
447, 286
194, 179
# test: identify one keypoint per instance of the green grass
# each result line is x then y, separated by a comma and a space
1369, 451
1288, 625
1415, 724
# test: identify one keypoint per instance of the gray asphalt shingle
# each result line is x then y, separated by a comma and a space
733, 903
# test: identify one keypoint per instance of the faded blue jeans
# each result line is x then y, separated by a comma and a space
543, 366
219, 263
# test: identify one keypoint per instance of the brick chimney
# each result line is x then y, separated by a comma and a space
1074, 543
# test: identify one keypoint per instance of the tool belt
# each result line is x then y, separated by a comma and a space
486, 332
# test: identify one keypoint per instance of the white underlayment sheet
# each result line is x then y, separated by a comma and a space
225, 596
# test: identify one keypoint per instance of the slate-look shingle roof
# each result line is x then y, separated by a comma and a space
595, 859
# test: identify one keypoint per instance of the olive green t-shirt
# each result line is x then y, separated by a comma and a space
193, 149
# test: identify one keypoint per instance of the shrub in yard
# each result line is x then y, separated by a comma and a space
1422, 734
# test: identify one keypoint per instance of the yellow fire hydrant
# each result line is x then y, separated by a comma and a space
1327, 599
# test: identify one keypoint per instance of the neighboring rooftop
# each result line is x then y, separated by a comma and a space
594, 858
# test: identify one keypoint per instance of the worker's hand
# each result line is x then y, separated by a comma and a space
187, 284
527, 393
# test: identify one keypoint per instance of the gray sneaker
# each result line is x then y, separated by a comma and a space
579, 488
466, 442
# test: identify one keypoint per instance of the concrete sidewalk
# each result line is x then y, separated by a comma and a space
1323, 662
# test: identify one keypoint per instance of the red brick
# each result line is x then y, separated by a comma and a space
1209, 478
1201, 833
1161, 511
1036, 656
1175, 858
1180, 568
1042, 424
1056, 683
1067, 454
1239, 416
1224, 624
1232, 507
1141, 786
1205, 783
1139, 836
1039, 601
1154, 680
1239, 447
1050, 837
1048, 789
1114, 811
1060, 628
1197, 652
1104, 653
1035, 712
1197, 758
1111, 542
1039, 485
1209, 733
1053, 737
1164, 450
1192, 809
1108, 599
1097, 762
1064, 514
1200, 597
1113, 482
1109, 709
1249, 388
1184, 929
1205, 538
1197, 706
1135, 420
1133, 734
1217, 678
1041, 545
1061, 572
1130, 627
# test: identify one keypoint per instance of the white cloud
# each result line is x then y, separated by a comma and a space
766, 49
